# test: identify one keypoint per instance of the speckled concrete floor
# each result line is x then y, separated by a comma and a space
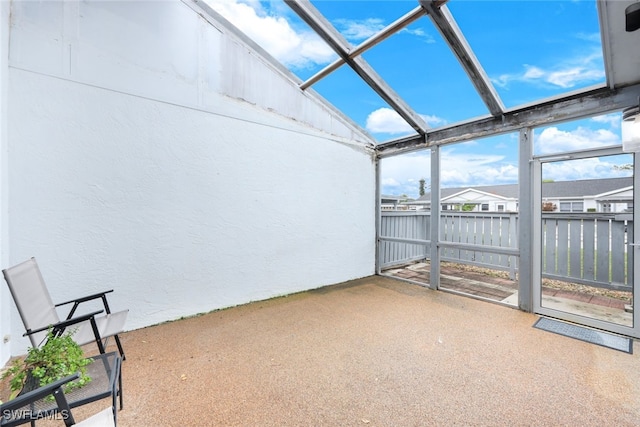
372, 352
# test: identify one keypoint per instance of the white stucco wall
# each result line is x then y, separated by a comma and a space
128, 169
5, 298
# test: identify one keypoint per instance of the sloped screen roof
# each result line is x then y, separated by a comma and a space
415, 73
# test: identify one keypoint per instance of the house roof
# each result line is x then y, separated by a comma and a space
568, 189
471, 195
586, 187
385, 198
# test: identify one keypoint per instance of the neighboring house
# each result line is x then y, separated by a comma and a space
394, 203
615, 201
589, 195
476, 199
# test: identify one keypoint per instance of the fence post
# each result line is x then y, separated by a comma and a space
513, 242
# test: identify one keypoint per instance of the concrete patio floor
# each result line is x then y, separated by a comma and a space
371, 352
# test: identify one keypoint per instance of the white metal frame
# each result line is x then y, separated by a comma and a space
536, 283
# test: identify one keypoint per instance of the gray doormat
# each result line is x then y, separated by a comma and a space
585, 334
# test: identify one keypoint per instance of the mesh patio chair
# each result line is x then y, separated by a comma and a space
23, 409
39, 313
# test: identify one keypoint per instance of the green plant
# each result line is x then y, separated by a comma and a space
59, 357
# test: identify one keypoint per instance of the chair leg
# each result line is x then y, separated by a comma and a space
120, 349
97, 335
120, 389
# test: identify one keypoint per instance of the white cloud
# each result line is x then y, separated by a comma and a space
294, 48
460, 169
614, 120
554, 140
419, 32
356, 30
386, 120
359, 30
401, 174
590, 37
591, 168
570, 77
433, 121
532, 72
390, 183
570, 73
474, 163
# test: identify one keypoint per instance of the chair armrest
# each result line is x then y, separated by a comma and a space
76, 302
36, 394
87, 298
63, 324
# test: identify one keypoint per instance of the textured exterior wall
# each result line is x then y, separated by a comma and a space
128, 169
5, 298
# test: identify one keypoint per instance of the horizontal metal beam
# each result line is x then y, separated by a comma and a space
571, 107
479, 248
405, 240
318, 23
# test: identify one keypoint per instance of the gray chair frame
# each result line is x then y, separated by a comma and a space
39, 313
18, 411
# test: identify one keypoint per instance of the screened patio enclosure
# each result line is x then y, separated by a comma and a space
154, 146
528, 244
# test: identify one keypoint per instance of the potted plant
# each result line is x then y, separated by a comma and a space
59, 357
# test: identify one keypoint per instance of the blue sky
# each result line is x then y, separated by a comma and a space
530, 49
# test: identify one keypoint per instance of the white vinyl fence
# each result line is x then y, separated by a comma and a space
585, 248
